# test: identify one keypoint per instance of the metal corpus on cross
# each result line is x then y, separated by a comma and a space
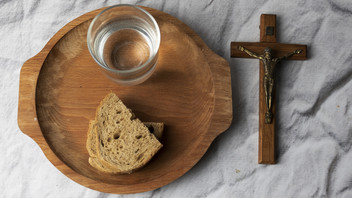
269, 52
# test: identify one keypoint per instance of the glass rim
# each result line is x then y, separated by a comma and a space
135, 68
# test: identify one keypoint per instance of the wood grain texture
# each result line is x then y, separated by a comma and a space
266, 147
190, 91
267, 21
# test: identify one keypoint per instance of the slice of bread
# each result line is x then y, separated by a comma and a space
122, 144
153, 127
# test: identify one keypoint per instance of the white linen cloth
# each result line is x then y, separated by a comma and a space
314, 124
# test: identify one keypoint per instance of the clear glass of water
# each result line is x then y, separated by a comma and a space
124, 40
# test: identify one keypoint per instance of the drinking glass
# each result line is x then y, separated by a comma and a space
124, 40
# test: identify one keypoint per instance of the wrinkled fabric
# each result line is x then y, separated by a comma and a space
314, 112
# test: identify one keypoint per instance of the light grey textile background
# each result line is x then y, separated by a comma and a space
314, 127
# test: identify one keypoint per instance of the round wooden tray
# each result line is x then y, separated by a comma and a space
190, 91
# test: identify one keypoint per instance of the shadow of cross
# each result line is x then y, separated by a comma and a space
269, 52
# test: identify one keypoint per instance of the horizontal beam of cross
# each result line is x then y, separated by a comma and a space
279, 49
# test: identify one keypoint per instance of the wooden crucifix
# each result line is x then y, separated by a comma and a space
269, 52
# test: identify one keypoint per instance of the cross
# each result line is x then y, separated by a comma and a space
269, 52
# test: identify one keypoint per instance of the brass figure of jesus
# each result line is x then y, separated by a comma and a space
269, 63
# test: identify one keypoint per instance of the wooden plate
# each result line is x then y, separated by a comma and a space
190, 91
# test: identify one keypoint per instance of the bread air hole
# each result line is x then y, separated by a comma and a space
116, 136
117, 122
109, 139
140, 156
118, 111
138, 136
151, 129
102, 143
